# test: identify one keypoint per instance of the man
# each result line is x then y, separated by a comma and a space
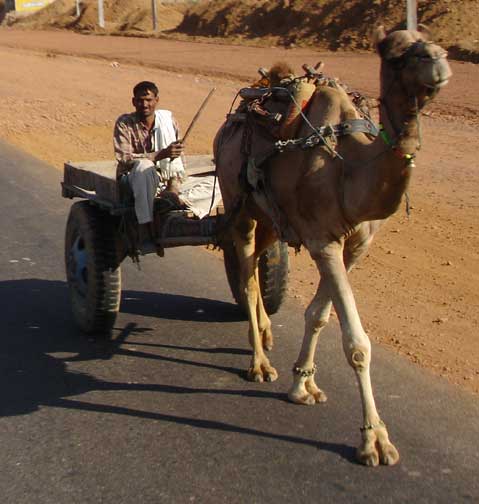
148, 151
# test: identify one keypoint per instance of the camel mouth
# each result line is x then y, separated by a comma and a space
439, 84
442, 83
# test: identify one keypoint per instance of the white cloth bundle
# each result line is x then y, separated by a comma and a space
164, 135
197, 193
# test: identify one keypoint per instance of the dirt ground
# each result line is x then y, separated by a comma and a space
417, 289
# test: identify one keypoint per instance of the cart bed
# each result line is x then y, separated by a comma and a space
97, 179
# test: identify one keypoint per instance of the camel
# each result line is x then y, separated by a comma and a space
334, 196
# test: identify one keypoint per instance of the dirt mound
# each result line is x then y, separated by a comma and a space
330, 24
121, 16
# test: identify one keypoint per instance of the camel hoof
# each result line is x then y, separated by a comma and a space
320, 396
368, 458
377, 448
255, 375
389, 455
268, 374
271, 375
371, 458
303, 399
308, 394
315, 391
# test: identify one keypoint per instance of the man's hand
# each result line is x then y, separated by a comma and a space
173, 151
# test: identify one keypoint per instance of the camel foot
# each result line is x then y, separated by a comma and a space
263, 373
305, 391
315, 391
376, 447
306, 398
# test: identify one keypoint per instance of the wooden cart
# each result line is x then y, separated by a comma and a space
102, 231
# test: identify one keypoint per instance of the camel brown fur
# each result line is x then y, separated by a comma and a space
335, 201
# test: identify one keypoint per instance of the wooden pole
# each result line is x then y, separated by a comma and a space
197, 115
154, 12
101, 14
412, 14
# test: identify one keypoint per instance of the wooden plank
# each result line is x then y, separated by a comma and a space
199, 164
98, 176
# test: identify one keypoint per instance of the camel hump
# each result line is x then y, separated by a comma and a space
301, 93
280, 72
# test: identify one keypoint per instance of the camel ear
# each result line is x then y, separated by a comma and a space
379, 35
425, 31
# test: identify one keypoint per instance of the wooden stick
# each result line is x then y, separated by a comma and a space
197, 115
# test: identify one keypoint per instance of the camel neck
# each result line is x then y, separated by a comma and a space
399, 117
374, 188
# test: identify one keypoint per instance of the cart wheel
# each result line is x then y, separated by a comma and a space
273, 275
92, 268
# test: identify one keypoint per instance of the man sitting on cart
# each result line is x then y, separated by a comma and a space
148, 152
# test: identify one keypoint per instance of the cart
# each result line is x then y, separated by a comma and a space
102, 231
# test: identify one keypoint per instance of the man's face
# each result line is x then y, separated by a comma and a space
145, 104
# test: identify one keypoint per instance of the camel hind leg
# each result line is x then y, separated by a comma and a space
264, 237
259, 324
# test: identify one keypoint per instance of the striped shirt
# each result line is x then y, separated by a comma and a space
132, 139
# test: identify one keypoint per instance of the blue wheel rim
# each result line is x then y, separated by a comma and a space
78, 266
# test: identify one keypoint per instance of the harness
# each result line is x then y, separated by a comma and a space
253, 175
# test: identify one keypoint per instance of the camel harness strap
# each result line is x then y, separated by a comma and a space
323, 135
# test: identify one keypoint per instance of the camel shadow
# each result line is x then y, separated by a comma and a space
39, 341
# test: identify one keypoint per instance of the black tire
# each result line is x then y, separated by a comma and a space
92, 268
273, 275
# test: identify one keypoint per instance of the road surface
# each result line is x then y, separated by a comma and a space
162, 413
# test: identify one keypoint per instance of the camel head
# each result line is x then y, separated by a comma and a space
408, 59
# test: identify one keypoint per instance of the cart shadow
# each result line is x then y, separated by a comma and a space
39, 341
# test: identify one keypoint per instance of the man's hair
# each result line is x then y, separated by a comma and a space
143, 87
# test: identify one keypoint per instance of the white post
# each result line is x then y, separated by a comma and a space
78, 8
154, 12
101, 14
412, 14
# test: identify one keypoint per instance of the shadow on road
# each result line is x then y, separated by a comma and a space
346, 452
177, 307
39, 339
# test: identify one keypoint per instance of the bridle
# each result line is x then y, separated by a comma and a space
416, 51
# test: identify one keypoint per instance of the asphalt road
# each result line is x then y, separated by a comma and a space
162, 413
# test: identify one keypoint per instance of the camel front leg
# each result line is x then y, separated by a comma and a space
304, 389
375, 447
260, 369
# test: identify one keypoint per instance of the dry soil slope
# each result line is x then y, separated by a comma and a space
330, 24
326, 24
